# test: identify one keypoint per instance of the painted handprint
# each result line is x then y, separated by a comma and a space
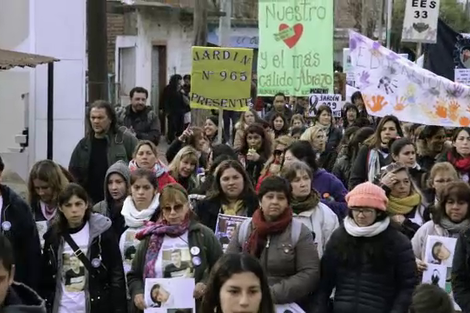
455, 91
400, 105
388, 84
378, 103
441, 109
464, 121
364, 79
454, 107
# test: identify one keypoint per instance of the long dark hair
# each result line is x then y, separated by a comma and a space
376, 140
216, 190
357, 140
265, 150
228, 265
110, 112
304, 151
456, 133
60, 223
458, 190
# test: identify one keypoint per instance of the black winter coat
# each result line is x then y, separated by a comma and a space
461, 272
17, 224
367, 277
208, 210
360, 167
106, 288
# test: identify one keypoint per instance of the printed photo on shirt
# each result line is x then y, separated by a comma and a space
42, 229
129, 249
176, 262
226, 227
163, 295
73, 273
440, 250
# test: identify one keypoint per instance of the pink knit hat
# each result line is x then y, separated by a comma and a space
367, 195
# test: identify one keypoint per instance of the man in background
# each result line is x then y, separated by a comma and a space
139, 118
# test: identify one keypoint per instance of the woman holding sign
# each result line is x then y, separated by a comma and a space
451, 217
174, 245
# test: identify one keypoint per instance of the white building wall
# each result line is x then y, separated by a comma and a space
14, 32
157, 28
58, 29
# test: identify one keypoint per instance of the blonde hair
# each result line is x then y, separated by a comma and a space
185, 152
145, 143
281, 140
441, 167
310, 133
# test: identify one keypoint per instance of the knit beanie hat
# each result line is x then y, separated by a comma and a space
367, 195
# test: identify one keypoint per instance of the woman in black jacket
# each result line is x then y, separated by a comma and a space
81, 259
175, 102
369, 262
333, 134
375, 154
255, 151
461, 272
231, 193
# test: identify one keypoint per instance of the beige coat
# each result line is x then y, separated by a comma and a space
293, 272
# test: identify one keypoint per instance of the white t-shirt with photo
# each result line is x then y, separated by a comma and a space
74, 275
175, 259
128, 246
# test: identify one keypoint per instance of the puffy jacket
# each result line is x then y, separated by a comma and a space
106, 293
367, 286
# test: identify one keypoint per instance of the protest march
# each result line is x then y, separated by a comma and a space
281, 178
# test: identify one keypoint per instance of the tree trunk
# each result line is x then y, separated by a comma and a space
97, 50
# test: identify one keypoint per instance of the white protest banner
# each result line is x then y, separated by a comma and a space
420, 23
169, 295
393, 85
334, 101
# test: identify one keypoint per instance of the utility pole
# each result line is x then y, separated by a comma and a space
225, 27
97, 41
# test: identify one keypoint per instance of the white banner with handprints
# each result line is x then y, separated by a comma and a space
393, 85
420, 22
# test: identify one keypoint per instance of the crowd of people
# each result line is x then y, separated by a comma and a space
337, 213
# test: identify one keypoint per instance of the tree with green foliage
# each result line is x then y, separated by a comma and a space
451, 12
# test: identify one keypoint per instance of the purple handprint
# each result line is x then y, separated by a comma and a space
376, 45
364, 78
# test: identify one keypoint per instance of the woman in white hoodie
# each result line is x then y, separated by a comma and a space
138, 208
306, 205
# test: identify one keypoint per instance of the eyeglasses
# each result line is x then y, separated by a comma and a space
363, 211
177, 208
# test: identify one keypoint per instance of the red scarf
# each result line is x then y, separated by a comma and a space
263, 228
461, 164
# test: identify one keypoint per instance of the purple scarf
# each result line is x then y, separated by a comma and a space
157, 232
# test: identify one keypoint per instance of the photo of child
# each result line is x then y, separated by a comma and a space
165, 295
440, 250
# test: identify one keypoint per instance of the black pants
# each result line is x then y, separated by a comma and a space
175, 126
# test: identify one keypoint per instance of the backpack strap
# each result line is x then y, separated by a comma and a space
296, 229
243, 229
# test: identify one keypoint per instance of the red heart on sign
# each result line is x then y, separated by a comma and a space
298, 30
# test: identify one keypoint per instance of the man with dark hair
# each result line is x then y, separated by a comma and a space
15, 297
17, 223
140, 118
429, 298
178, 267
104, 145
279, 106
187, 84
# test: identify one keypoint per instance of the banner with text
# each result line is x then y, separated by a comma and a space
221, 78
393, 85
334, 101
296, 46
420, 22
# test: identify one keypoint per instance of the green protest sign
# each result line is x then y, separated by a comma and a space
295, 46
